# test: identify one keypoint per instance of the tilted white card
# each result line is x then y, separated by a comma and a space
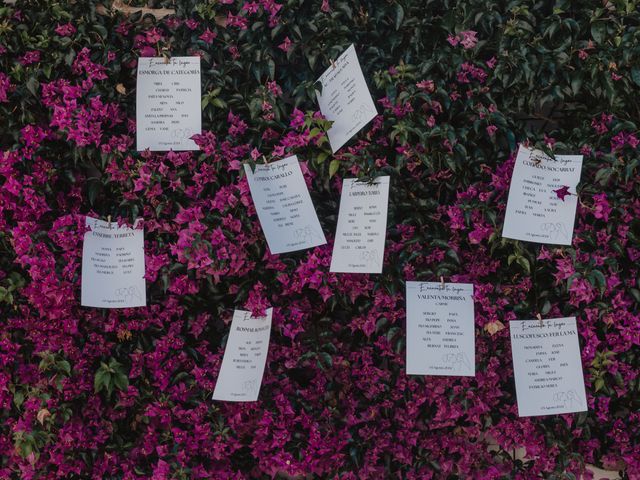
547, 366
362, 226
535, 212
280, 195
440, 329
345, 99
168, 110
112, 266
244, 358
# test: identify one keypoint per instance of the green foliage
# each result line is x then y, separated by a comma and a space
110, 376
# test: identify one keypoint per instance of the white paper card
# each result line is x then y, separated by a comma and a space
362, 226
168, 108
534, 211
284, 206
547, 366
112, 266
244, 358
440, 329
345, 99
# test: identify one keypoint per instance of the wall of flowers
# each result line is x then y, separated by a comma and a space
458, 86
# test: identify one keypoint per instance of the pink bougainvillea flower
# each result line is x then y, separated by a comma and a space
325, 6
601, 208
562, 192
468, 39
601, 125
426, 85
624, 138
147, 51
284, 46
30, 57
491, 130
469, 71
65, 30
5, 85
586, 150
274, 89
154, 36
208, 36
235, 53
549, 141
237, 21
192, 23
297, 118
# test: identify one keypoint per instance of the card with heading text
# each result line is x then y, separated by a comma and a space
345, 98
547, 366
244, 358
362, 226
284, 207
112, 266
168, 103
542, 199
440, 329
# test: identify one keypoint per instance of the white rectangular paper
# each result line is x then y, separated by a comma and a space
440, 329
362, 226
112, 266
244, 358
345, 99
284, 206
534, 211
547, 366
168, 108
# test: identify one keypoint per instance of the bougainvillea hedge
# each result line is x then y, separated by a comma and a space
124, 394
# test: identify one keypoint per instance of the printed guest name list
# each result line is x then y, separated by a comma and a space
168, 109
244, 358
440, 329
345, 99
362, 226
112, 266
535, 213
547, 366
284, 206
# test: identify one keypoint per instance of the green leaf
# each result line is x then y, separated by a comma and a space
64, 366
597, 279
545, 308
333, 167
598, 384
121, 381
101, 380
33, 85
524, 263
271, 66
598, 31
603, 175
18, 398
635, 75
399, 16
